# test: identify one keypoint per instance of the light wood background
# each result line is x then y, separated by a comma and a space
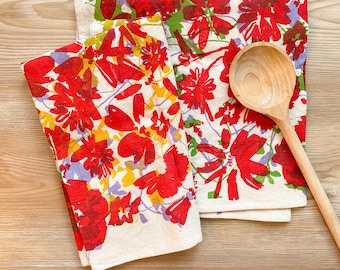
35, 230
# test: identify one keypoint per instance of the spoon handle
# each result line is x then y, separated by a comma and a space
311, 178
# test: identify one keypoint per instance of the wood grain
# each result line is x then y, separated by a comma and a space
35, 231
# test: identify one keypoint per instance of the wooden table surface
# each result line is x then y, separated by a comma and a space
35, 230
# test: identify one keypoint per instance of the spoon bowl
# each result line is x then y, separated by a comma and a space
262, 77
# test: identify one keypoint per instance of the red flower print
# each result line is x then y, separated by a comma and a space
185, 49
210, 149
69, 69
215, 165
299, 86
295, 39
83, 115
243, 149
210, 166
228, 57
170, 86
76, 232
225, 138
154, 55
138, 107
73, 47
107, 8
36, 74
302, 8
73, 103
118, 73
129, 91
200, 25
300, 129
260, 120
90, 210
197, 88
166, 184
230, 112
122, 210
178, 211
63, 169
259, 19
122, 68
89, 54
138, 146
119, 120
232, 186
154, 181
195, 125
174, 109
218, 176
98, 158
160, 124
75, 111
177, 164
218, 6
290, 169
59, 141
128, 29
86, 90
203, 24
145, 8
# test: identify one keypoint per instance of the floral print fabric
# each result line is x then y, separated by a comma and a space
239, 159
110, 110
146, 132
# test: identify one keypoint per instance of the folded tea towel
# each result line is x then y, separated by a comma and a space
239, 159
109, 108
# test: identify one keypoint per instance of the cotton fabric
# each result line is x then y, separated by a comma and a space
109, 108
240, 160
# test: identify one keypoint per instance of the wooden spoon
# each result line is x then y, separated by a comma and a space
262, 77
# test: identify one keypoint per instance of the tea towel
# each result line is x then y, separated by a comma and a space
109, 108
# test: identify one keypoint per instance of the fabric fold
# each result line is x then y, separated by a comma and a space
109, 107
239, 159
